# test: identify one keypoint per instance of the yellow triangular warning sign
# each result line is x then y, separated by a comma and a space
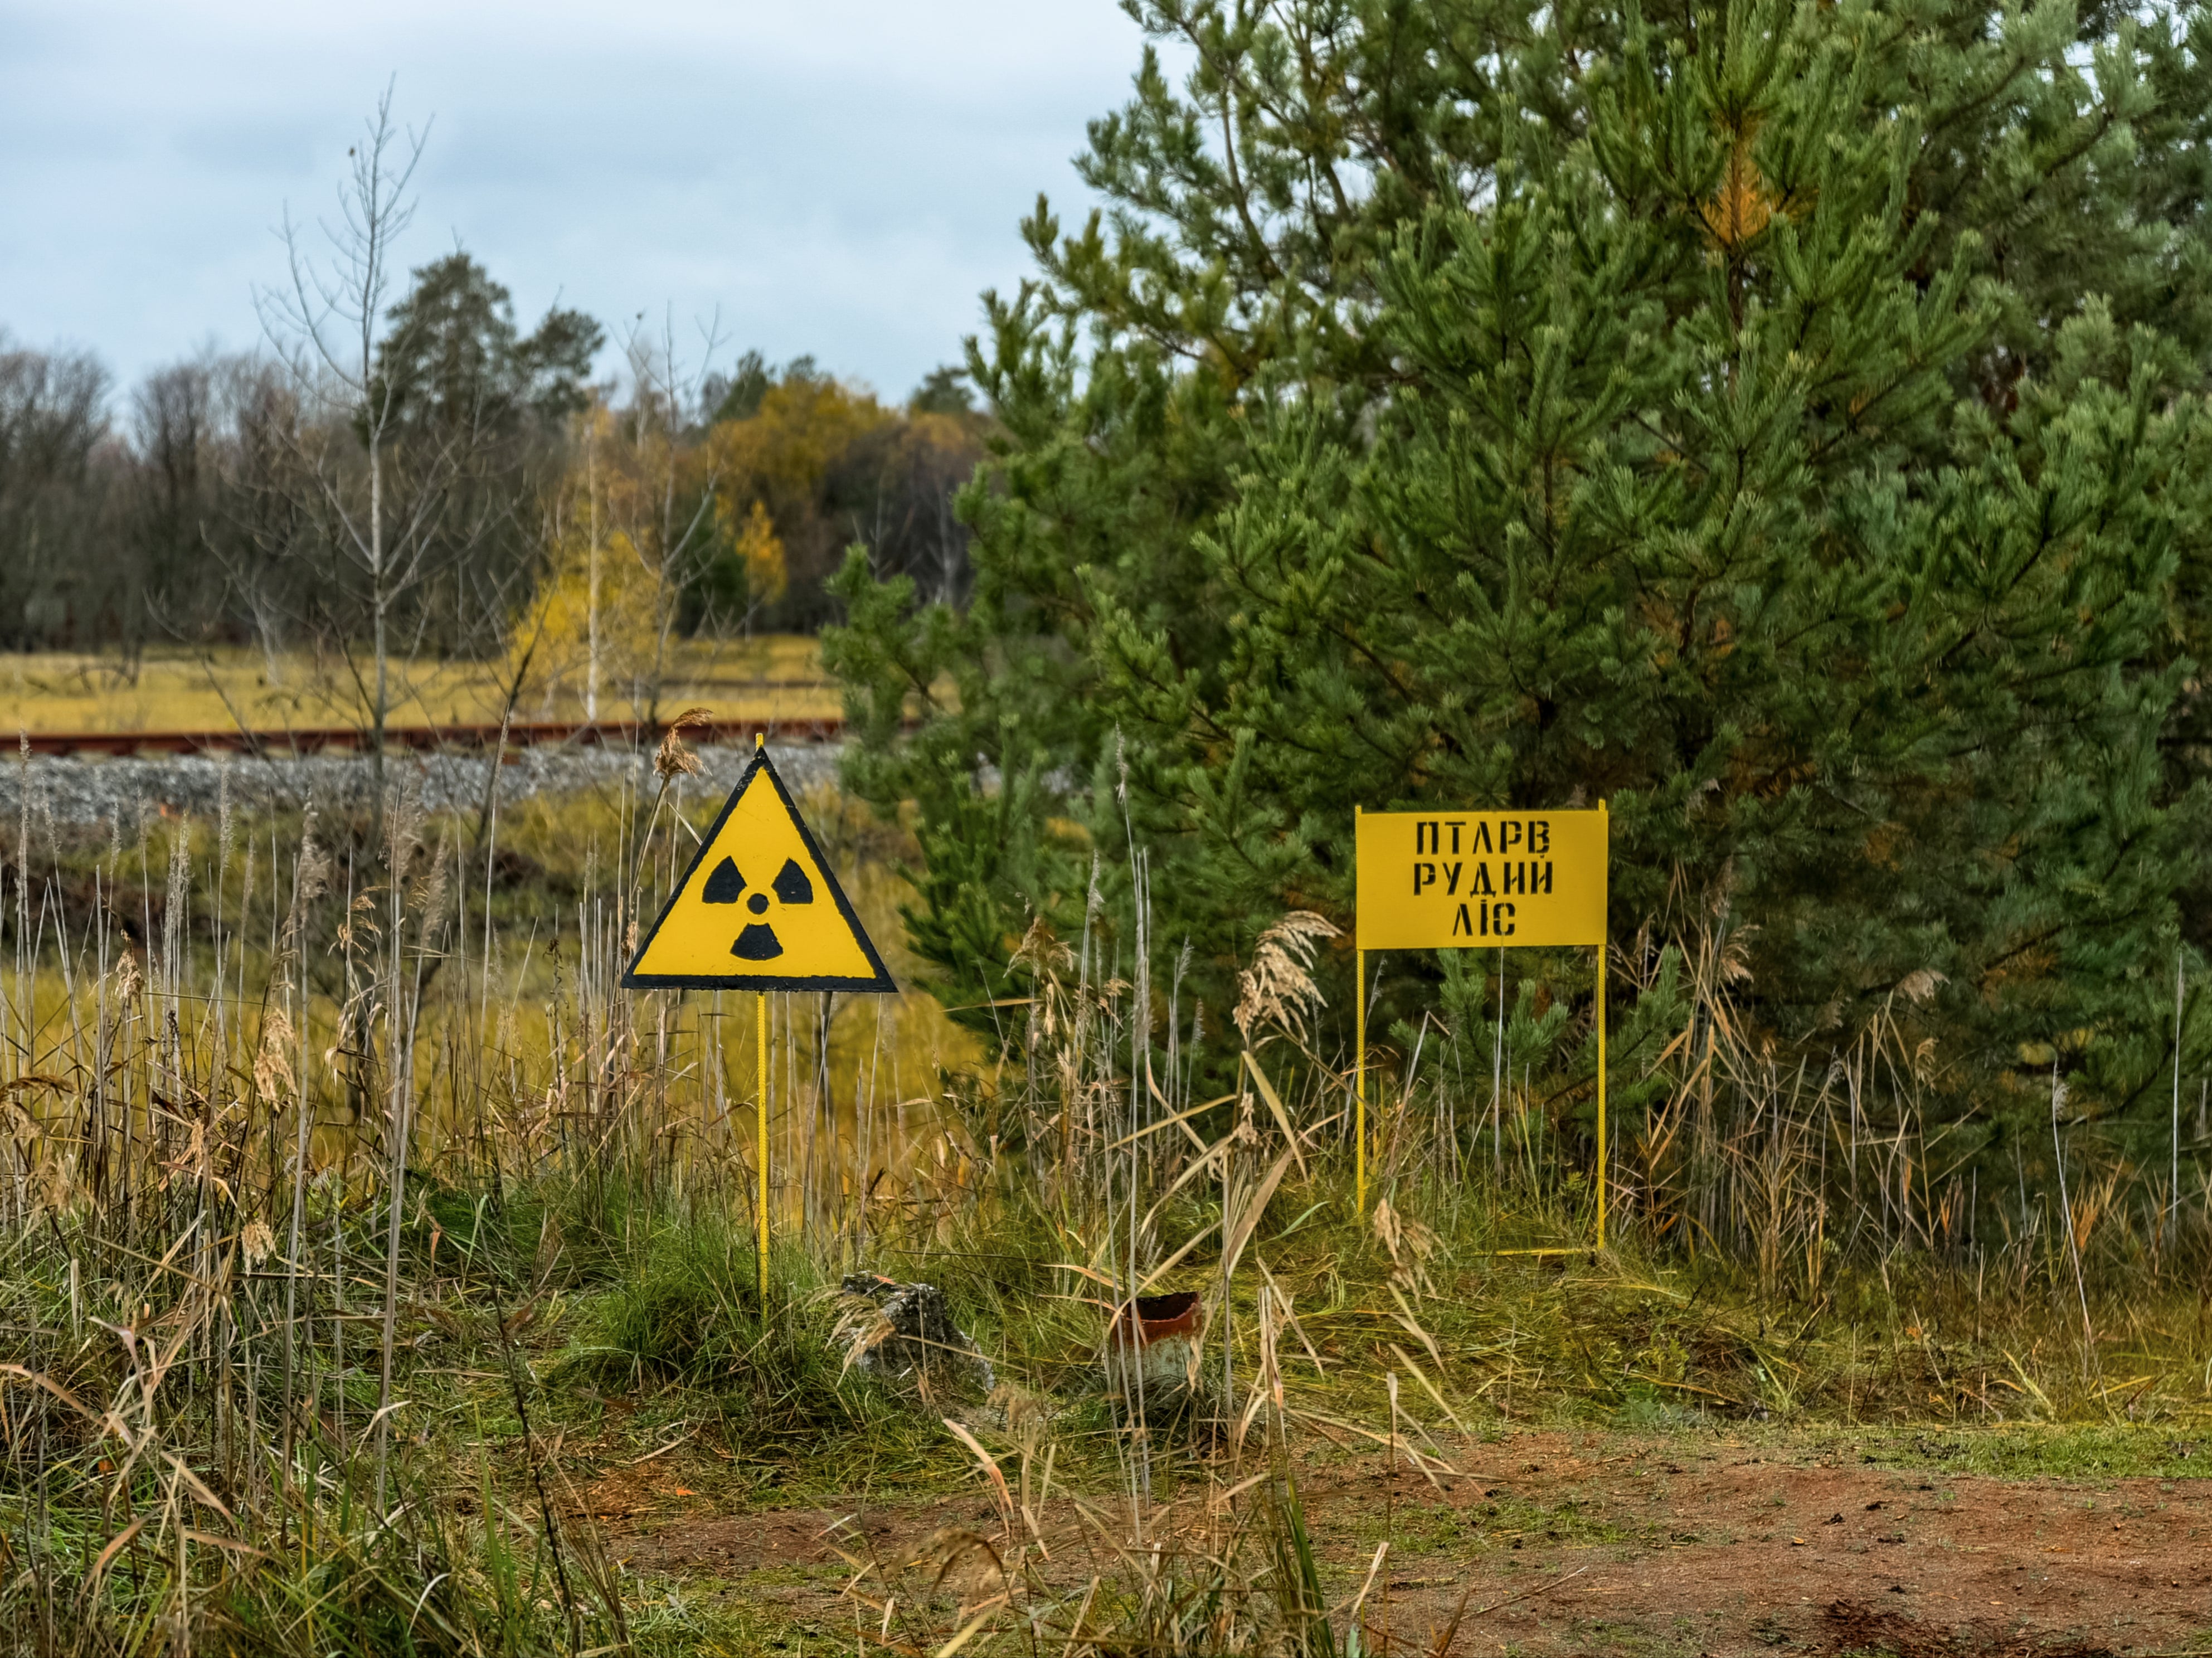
758, 909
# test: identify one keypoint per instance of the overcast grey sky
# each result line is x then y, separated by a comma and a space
839, 177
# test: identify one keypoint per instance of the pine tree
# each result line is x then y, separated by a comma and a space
1783, 422
453, 361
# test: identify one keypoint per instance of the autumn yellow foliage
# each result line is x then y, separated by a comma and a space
759, 549
775, 471
656, 531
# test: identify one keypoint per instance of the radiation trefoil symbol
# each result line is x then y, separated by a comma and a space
731, 925
758, 942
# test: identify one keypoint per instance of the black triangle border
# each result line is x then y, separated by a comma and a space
881, 984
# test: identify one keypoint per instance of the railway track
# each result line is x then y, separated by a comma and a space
326, 739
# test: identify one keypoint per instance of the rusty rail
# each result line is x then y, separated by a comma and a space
321, 739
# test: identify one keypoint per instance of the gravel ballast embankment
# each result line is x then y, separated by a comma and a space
121, 790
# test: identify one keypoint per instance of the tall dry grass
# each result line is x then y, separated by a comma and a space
321, 1133
289, 1107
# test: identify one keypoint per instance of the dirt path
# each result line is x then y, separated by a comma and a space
1612, 1545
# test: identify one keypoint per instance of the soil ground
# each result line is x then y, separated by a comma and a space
1584, 1543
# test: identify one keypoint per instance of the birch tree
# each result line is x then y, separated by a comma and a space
323, 323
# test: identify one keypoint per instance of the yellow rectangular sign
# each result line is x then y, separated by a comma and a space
1445, 880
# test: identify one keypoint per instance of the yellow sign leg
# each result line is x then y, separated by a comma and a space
1360, 1081
760, 1152
1606, 820
1359, 1059
1601, 1096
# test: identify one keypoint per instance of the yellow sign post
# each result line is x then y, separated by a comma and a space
759, 910
1470, 880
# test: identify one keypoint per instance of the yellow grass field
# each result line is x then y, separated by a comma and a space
178, 690
906, 1038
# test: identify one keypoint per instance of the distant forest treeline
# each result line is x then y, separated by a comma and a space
210, 502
